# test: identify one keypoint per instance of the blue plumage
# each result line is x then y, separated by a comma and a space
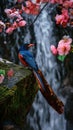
28, 57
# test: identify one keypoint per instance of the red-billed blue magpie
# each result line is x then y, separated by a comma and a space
27, 59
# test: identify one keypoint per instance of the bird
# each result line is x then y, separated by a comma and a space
27, 59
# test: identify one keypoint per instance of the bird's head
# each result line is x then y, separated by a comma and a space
26, 46
29, 45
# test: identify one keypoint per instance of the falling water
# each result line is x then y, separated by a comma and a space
43, 116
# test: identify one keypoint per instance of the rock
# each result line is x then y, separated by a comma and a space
16, 93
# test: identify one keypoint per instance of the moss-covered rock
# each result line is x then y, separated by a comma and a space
17, 93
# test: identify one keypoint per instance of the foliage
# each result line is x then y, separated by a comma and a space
2, 74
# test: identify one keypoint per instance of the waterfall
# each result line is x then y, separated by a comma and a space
43, 116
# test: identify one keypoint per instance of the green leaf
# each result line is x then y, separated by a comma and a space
71, 45
61, 58
2, 72
71, 50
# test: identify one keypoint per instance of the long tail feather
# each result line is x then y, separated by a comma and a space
48, 93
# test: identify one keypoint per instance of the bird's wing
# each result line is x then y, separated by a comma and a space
28, 57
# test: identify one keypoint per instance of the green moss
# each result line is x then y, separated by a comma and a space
17, 94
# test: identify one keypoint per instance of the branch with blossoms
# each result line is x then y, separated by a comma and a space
15, 14
63, 18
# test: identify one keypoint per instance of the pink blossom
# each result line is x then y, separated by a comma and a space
59, 19
2, 26
31, 8
1, 78
66, 40
8, 11
19, 1
68, 4
14, 26
10, 73
10, 30
15, 14
1, 30
63, 18
11, 13
21, 23
64, 46
53, 50
25, 9
63, 49
28, 3
56, 1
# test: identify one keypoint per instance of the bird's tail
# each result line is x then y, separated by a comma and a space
48, 93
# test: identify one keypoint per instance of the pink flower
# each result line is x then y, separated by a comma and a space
19, 1
31, 8
14, 26
11, 13
63, 18
56, 1
10, 73
10, 30
59, 19
68, 4
25, 9
21, 23
1, 30
66, 40
64, 46
63, 49
1, 78
2, 26
8, 11
53, 50
28, 3
15, 14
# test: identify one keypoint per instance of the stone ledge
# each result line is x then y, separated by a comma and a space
17, 93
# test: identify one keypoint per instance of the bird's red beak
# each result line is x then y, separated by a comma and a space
30, 45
